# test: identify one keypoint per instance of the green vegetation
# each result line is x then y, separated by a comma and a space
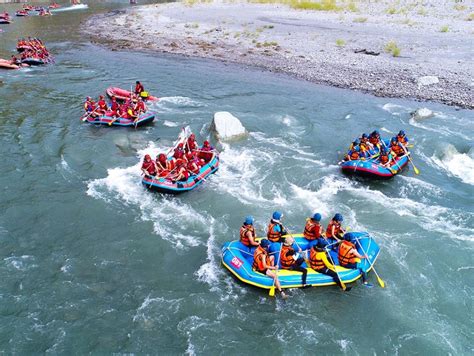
323, 5
392, 48
391, 11
422, 11
193, 25
340, 42
444, 29
460, 7
352, 7
360, 19
470, 17
266, 44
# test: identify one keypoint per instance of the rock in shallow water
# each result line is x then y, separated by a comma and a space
422, 113
227, 127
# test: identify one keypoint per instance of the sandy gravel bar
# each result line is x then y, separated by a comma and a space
338, 48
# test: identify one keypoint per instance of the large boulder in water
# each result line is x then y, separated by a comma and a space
421, 114
227, 127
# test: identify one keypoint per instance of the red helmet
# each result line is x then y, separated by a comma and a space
113, 97
162, 157
192, 136
101, 97
206, 143
147, 157
180, 145
189, 155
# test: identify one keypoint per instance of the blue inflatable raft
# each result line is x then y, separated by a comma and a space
165, 185
238, 259
372, 167
33, 61
143, 119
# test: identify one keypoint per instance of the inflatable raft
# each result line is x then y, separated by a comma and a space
143, 119
4, 21
71, 8
33, 61
238, 259
164, 185
6, 64
122, 94
373, 169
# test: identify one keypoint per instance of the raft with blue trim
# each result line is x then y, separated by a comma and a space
373, 169
165, 185
238, 259
143, 119
33, 61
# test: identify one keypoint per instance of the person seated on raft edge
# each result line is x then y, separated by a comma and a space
163, 165
374, 139
149, 168
290, 260
365, 141
275, 229
319, 262
89, 107
384, 158
206, 152
191, 143
353, 153
402, 138
139, 88
140, 107
102, 106
182, 173
349, 257
193, 165
115, 107
396, 147
15, 60
247, 233
264, 263
334, 231
313, 231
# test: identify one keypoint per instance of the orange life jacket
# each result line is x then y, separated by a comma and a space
273, 236
259, 256
346, 255
398, 150
286, 261
337, 230
315, 260
354, 155
383, 159
402, 140
312, 230
243, 234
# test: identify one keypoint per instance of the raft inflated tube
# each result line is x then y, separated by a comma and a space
143, 119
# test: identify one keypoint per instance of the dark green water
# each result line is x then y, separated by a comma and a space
90, 262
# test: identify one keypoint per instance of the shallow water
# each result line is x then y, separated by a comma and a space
92, 262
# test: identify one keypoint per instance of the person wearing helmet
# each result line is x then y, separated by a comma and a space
178, 151
364, 140
334, 230
275, 229
374, 139
402, 138
102, 106
319, 262
290, 260
182, 173
140, 106
396, 147
353, 154
313, 230
264, 263
349, 257
115, 107
355, 144
138, 88
149, 167
206, 152
193, 165
89, 106
191, 143
162, 165
247, 233
384, 158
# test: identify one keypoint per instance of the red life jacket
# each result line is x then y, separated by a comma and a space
244, 230
273, 235
286, 261
193, 167
402, 139
354, 155
312, 230
149, 167
140, 107
102, 105
315, 260
192, 145
259, 256
398, 150
346, 255
337, 229
383, 159
139, 88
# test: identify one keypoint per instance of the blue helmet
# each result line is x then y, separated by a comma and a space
317, 217
356, 141
264, 243
248, 220
277, 215
364, 135
394, 139
401, 133
338, 217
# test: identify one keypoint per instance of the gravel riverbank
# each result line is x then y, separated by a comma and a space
342, 48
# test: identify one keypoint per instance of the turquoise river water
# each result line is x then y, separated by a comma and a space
91, 262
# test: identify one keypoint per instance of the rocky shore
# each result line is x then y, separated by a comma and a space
413, 51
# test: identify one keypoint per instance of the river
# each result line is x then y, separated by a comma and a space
91, 262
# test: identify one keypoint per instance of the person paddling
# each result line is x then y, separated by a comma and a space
275, 229
334, 230
313, 231
149, 167
264, 263
247, 233
290, 260
319, 262
349, 257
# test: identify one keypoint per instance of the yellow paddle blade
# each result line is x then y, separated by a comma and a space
416, 170
271, 293
381, 282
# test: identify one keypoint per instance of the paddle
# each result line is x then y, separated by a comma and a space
409, 158
380, 280
271, 292
296, 242
84, 118
328, 253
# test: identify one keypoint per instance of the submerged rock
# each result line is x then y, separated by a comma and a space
427, 80
422, 113
227, 127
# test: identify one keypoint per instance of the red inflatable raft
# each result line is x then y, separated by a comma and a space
122, 94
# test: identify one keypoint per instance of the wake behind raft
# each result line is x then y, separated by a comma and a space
238, 259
